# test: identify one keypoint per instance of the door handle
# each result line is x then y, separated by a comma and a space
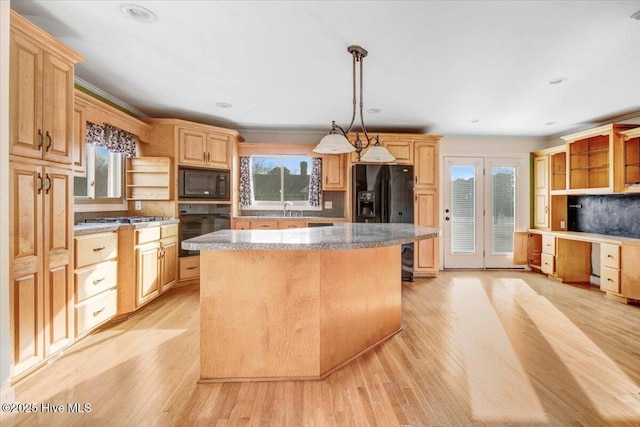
446, 218
47, 184
446, 210
40, 139
48, 141
39, 183
208, 157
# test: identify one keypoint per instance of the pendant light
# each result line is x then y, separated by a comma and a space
336, 141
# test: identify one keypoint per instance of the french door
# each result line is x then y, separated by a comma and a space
479, 211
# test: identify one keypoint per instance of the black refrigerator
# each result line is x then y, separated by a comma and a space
384, 194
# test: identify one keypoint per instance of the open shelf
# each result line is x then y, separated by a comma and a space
589, 162
148, 178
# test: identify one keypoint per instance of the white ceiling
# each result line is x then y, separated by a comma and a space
433, 66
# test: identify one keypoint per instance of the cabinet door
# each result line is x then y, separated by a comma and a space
426, 214
333, 172
520, 245
168, 263
79, 139
58, 241
26, 128
192, 147
426, 165
242, 225
26, 294
541, 192
57, 108
218, 150
401, 150
147, 272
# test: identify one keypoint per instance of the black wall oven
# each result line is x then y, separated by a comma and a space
199, 219
206, 184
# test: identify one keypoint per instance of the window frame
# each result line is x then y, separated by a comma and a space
297, 205
90, 203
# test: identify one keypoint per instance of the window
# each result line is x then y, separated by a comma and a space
276, 179
103, 182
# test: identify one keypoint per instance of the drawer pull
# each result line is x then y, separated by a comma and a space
609, 279
95, 313
95, 282
609, 256
191, 268
99, 249
546, 263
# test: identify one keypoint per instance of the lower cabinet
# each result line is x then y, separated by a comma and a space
95, 280
148, 266
426, 251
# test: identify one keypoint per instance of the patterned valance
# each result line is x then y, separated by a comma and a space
246, 193
315, 182
111, 138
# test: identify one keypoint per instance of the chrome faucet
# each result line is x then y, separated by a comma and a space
284, 209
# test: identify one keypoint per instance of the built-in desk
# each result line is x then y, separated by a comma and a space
566, 257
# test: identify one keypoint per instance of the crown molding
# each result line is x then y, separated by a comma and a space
111, 98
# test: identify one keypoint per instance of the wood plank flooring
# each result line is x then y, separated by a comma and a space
478, 348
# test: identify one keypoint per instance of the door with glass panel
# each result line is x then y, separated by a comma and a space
479, 212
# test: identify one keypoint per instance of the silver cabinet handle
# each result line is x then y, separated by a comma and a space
99, 249
95, 282
95, 313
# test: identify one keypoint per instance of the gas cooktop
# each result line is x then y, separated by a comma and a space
123, 219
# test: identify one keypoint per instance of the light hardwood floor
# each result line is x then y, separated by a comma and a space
478, 348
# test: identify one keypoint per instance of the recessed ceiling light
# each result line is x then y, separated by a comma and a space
223, 105
374, 111
138, 13
550, 123
474, 121
557, 80
636, 15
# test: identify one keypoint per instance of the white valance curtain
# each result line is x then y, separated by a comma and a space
112, 138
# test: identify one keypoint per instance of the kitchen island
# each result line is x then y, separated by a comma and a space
297, 303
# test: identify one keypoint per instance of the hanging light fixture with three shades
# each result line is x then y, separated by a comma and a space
337, 142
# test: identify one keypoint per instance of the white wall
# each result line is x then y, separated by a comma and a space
5, 340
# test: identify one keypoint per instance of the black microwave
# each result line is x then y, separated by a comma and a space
196, 183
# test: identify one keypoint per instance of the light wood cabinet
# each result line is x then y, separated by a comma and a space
595, 164
199, 148
95, 280
630, 271
291, 224
79, 138
40, 238
41, 94
401, 146
148, 264
148, 178
527, 249
190, 268
40, 195
426, 209
627, 156
334, 174
541, 191
168, 256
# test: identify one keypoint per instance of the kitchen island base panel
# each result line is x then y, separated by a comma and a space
282, 315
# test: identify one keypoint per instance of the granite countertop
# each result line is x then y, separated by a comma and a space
92, 228
339, 236
279, 218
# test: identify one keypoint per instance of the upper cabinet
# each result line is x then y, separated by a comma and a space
627, 176
334, 172
593, 160
41, 94
399, 145
204, 148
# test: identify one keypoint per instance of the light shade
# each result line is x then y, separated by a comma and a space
334, 144
377, 153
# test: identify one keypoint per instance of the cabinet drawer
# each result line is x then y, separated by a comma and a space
96, 278
610, 279
261, 225
146, 235
95, 311
548, 264
291, 224
168, 230
189, 268
610, 255
95, 248
548, 245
